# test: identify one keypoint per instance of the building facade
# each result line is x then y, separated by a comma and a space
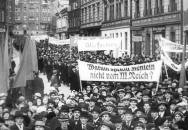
74, 17
91, 17
32, 17
2, 16
152, 19
62, 24
116, 22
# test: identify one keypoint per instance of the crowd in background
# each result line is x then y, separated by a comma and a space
99, 105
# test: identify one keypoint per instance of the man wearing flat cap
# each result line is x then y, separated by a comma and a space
128, 120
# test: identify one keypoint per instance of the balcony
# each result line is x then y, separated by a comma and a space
172, 8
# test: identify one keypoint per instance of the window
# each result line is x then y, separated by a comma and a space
2, 16
89, 13
94, 12
120, 9
137, 9
172, 6
125, 40
173, 36
105, 13
126, 8
98, 10
117, 9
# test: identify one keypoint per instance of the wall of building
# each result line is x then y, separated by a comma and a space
123, 33
34, 16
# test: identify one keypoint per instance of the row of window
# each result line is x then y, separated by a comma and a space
116, 10
2, 16
154, 7
91, 13
32, 18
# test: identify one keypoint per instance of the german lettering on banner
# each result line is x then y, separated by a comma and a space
98, 43
143, 72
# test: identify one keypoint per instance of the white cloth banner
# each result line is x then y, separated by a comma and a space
147, 72
169, 46
98, 43
168, 61
52, 40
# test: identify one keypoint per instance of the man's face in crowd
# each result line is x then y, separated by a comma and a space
133, 103
126, 102
147, 106
95, 114
138, 128
128, 117
121, 111
172, 107
154, 114
76, 114
106, 118
45, 100
39, 128
39, 102
83, 120
19, 120
64, 114
139, 95
162, 108
9, 122
167, 95
103, 127
103, 93
118, 125
121, 95
145, 98
177, 117
109, 108
64, 124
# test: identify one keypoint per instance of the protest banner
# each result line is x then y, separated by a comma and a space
98, 43
168, 61
147, 72
169, 46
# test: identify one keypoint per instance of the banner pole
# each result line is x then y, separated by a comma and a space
166, 71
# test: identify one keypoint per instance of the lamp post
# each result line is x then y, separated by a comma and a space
182, 72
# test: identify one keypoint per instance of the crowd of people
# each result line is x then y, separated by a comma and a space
98, 105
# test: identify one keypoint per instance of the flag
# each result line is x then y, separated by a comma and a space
28, 64
4, 63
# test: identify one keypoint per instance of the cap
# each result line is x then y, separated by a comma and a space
39, 123
64, 108
84, 115
105, 113
18, 114
108, 124
76, 109
96, 109
38, 95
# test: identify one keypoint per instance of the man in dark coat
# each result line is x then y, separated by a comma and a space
19, 125
38, 84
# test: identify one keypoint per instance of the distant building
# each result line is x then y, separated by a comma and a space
116, 22
32, 16
62, 24
152, 19
74, 17
2, 17
91, 17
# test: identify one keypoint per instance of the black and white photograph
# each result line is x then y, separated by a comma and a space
93, 64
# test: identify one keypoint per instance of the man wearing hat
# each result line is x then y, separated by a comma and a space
85, 125
128, 120
118, 123
107, 126
95, 114
74, 122
40, 125
106, 116
19, 119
